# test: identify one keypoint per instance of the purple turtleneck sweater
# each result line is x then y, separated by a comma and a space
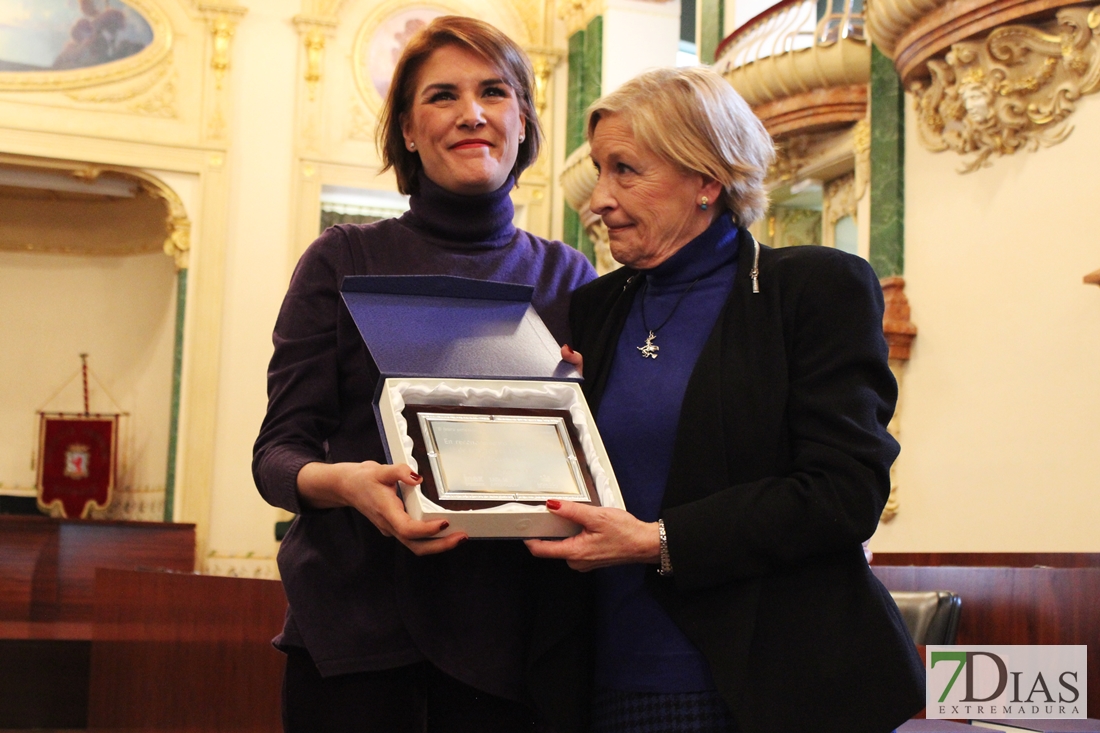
639, 648
360, 601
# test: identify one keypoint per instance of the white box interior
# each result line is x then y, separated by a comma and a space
506, 520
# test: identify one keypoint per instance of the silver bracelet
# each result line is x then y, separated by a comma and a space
665, 568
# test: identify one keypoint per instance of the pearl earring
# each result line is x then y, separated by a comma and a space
412, 146
703, 204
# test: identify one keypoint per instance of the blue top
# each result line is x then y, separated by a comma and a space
639, 648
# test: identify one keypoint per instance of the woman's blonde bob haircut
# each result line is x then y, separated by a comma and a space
694, 119
483, 40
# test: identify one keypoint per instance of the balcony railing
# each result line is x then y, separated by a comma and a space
788, 26
801, 68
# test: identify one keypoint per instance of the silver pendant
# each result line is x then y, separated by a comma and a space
650, 349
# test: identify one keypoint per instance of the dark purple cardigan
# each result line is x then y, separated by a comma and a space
360, 601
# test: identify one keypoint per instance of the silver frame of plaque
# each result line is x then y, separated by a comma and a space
445, 493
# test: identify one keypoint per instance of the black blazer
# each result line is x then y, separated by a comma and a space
780, 470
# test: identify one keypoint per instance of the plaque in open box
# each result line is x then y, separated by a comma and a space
479, 457
443, 344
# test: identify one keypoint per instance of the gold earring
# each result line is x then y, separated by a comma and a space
703, 204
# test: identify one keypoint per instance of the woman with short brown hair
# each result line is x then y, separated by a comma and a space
393, 627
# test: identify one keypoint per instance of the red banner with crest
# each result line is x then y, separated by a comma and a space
77, 457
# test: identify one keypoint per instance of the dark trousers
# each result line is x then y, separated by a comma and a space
413, 699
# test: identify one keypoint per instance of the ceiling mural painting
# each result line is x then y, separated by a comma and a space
56, 45
60, 35
379, 46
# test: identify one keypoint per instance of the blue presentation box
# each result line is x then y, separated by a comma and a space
448, 341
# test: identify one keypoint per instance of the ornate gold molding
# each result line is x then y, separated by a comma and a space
792, 154
544, 61
148, 58
125, 92
838, 201
222, 21
578, 13
861, 142
314, 31
177, 242
1011, 91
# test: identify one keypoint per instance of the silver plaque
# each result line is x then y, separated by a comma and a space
497, 458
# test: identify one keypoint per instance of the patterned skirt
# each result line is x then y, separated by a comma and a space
614, 711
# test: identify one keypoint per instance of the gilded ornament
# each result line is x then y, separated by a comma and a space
315, 55
861, 142
222, 20
791, 155
177, 242
543, 61
362, 124
216, 125
222, 31
578, 13
161, 103
314, 30
125, 93
838, 201
1012, 91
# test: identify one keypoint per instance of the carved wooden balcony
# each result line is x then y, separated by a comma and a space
801, 73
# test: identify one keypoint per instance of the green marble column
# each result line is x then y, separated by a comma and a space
593, 64
585, 84
887, 167
174, 419
574, 116
712, 22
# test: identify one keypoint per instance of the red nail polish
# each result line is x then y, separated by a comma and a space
553, 504
444, 525
414, 476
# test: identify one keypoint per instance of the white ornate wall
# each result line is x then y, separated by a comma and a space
1001, 395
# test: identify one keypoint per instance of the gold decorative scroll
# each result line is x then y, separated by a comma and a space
177, 225
544, 61
222, 21
792, 154
1012, 91
838, 201
578, 13
177, 242
314, 32
861, 141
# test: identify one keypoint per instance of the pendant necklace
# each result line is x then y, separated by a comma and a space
649, 349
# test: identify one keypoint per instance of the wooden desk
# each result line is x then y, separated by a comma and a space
47, 566
47, 592
184, 652
1018, 605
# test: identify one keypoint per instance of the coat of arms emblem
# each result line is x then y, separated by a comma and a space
77, 457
